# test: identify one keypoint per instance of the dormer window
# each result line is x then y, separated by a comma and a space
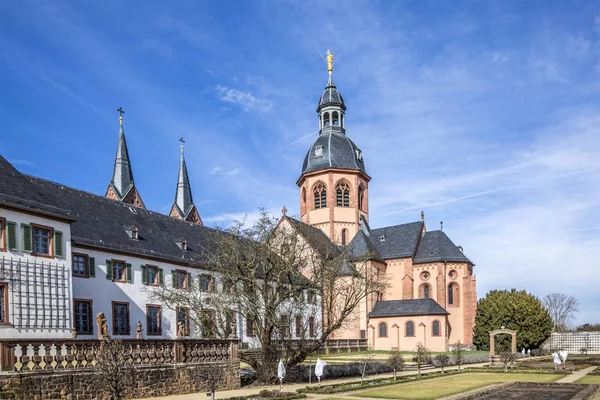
382, 238
182, 244
358, 155
319, 151
133, 232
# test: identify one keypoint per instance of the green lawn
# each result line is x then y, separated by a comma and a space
590, 380
435, 388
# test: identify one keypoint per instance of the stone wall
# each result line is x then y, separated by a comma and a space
147, 381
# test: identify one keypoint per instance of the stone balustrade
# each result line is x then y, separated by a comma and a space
49, 355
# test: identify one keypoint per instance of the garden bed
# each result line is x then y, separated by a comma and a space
270, 395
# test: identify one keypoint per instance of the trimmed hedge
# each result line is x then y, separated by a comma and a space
300, 373
287, 396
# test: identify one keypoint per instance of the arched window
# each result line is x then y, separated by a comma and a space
343, 194
361, 195
410, 329
424, 291
335, 119
344, 236
453, 294
382, 329
320, 193
326, 120
304, 195
435, 328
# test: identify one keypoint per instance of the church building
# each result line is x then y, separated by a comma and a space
432, 289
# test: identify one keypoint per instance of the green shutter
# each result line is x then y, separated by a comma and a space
58, 244
129, 273
109, 270
92, 266
11, 234
161, 278
174, 278
27, 238
144, 275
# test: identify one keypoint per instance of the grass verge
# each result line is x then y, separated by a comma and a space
433, 389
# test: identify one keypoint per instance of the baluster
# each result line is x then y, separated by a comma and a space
75, 361
53, 353
18, 357
30, 357
84, 352
94, 355
63, 354
42, 354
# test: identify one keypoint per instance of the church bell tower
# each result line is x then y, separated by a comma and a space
334, 184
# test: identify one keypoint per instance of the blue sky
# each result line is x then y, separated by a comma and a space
484, 114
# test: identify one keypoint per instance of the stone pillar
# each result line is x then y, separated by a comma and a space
491, 346
514, 343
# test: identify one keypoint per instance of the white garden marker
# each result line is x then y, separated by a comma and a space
281, 373
319, 367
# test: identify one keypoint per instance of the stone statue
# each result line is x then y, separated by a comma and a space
329, 62
102, 328
180, 329
74, 333
138, 331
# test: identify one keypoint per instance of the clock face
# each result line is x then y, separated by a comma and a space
319, 151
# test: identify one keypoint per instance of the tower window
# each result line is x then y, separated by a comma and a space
304, 195
343, 195
361, 195
453, 294
326, 120
335, 118
344, 236
320, 193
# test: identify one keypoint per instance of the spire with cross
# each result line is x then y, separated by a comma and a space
182, 143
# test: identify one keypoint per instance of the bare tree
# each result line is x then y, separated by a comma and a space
458, 351
507, 358
422, 357
562, 309
113, 372
442, 360
291, 292
396, 361
365, 361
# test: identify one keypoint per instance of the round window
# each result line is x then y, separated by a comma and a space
425, 276
452, 274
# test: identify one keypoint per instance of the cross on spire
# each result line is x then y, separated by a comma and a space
121, 112
284, 211
182, 142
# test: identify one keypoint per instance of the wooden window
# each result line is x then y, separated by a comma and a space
284, 325
312, 297
299, 327
343, 194
183, 318
249, 327
150, 275
312, 327
320, 193
410, 329
3, 303
42, 240
206, 283
153, 320
11, 236
2, 234
80, 265
120, 318
119, 271
84, 324
180, 279
435, 328
382, 329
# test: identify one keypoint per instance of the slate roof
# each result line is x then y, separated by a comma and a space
400, 240
101, 222
361, 248
331, 96
437, 246
316, 238
333, 149
401, 308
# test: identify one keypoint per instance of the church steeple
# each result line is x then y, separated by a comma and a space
121, 186
183, 206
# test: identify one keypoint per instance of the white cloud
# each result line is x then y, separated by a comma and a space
224, 172
246, 100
